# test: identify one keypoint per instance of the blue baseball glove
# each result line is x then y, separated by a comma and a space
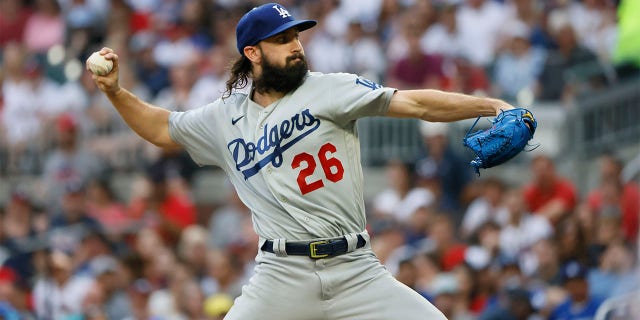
511, 131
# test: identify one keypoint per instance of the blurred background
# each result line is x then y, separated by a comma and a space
97, 224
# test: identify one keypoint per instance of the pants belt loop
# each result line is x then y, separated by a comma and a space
279, 247
352, 241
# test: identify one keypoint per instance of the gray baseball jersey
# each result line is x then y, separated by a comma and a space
296, 162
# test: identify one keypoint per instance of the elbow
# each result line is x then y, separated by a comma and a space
166, 145
163, 141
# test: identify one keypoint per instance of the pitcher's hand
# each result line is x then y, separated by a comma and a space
109, 82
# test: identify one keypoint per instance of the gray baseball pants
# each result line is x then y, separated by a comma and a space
350, 286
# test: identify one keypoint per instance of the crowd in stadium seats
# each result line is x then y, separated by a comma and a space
71, 247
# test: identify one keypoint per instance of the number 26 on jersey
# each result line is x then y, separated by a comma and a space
331, 166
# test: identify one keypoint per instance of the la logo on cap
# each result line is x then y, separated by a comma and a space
281, 11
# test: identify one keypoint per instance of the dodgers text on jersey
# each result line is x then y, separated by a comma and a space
275, 139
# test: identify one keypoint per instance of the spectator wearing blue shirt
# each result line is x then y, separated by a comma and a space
579, 304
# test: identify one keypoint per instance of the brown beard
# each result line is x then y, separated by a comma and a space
281, 79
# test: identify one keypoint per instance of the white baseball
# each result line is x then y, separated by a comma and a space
98, 64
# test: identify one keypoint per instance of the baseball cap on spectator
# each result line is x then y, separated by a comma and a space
66, 122
573, 270
8, 275
265, 21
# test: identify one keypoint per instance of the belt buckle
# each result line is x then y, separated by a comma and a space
314, 251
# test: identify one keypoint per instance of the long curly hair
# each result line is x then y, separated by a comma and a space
240, 73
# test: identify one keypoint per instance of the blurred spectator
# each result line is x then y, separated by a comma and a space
107, 272
460, 75
593, 22
445, 290
568, 68
211, 84
518, 66
442, 38
19, 226
11, 296
523, 229
388, 242
515, 304
13, 19
545, 265
489, 207
182, 77
364, 55
613, 192
416, 229
59, 293
28, 95
614, 275
607, 231
70, 163
170, 197
192, 250
195, 19
138, 294
572, 244
45, 27
224, 274
165, 303
191, 300
416, 69
442, 170
426, 270
411, 22
484, 248
104, 207
85, 13
401, 199
579, 304
408, 275
531, 13
151, 73
479, 22
548, 194
73, 212
225, 222
450, 251
174, 47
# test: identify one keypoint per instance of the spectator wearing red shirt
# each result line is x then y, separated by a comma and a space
450, 251
13, 19
613, 192
417, 69
549, 194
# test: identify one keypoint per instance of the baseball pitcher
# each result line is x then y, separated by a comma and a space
290, 147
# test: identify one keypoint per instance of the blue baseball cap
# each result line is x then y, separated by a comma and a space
265, 21
573, 270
